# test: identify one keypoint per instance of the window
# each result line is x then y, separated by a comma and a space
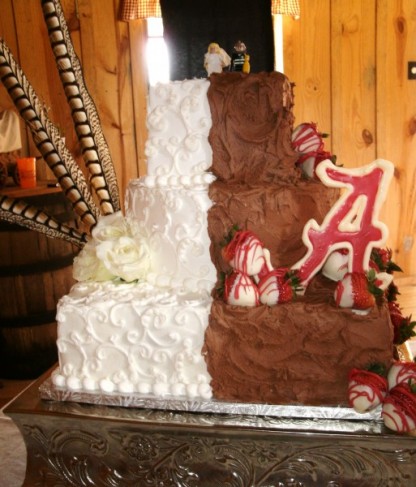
157, 58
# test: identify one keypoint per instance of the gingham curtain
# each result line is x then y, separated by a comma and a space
286, 7
139, 9
142, 9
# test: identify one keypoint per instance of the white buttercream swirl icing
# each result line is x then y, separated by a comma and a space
133, 338
179, 122
147, 337
172, 213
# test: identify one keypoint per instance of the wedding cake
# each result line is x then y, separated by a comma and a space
148, 315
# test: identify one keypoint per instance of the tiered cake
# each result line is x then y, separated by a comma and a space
219, 155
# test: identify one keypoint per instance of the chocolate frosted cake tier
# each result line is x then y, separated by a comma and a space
293, 353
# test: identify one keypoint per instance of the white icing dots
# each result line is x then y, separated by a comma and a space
160, 389
107, 385
74, 383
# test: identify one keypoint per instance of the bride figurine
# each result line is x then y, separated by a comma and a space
216, 59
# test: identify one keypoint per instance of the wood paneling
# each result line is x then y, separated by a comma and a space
396, 121
353, 81
307, 62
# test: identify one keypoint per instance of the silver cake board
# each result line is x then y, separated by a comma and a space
50, 391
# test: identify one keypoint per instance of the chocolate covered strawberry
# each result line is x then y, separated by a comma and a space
401, 372
399, 408
278, 286
366, 388
245, 253
240, 290
353, 291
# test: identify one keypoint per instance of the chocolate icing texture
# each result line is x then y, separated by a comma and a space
251, 128
294, 353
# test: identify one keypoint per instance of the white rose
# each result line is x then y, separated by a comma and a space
125, 257
87, 266
110, 227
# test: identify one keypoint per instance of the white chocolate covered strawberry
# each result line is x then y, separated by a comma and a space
366, 389
278, 286
240, 290
399, 408
245, 253
307, 139
336, 265
401, 372
353, 292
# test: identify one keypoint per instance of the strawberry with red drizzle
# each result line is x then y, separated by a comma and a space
353, 291
307, 139
367, 387
240, 290
336, 265
401, 372
278, 286
245, 253
308, 142
399, 408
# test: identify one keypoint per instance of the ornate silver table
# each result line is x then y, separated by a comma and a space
81, 444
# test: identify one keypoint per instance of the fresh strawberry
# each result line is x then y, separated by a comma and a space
367, 388
353, 291
240, 290
244, 253
399, 408
401, 372
404, 327
278, 286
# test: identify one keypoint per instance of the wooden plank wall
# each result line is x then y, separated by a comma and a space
350, 70
348, 60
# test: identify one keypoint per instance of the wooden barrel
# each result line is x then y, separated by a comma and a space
35, 271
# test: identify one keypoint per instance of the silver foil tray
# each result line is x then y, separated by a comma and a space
49, 391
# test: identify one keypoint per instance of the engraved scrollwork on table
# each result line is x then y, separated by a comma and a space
105, 453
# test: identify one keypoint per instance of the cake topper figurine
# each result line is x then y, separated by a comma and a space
216, 59
238, 56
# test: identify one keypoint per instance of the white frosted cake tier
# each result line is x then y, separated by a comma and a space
179, 121
133, 338
174, 221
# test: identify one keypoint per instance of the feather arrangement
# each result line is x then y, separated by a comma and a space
21, 213
87, 125
46, 136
